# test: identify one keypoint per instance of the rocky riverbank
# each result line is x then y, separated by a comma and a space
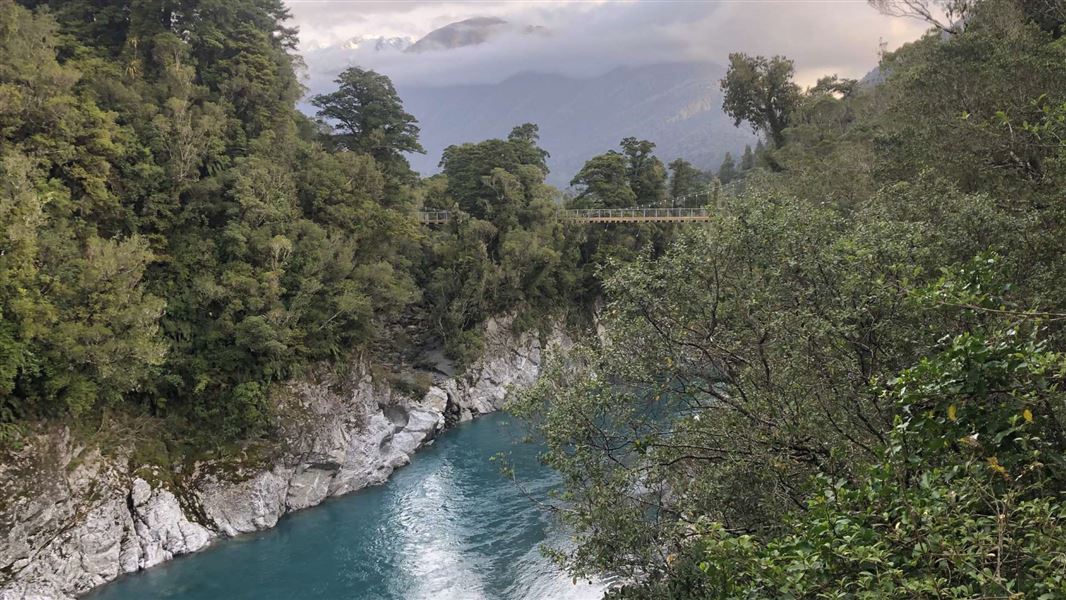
73, 519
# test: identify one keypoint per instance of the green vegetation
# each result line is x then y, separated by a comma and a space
847, 385
760, 91
177, 238
850, 383
686, 182
504, 247
370, 119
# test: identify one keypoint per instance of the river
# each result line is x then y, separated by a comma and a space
447, 527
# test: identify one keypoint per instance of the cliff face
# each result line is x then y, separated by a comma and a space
72, 519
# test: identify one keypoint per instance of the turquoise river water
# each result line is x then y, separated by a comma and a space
447, 527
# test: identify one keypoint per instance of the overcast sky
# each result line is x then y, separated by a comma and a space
593, 36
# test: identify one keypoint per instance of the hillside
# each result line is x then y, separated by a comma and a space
456, 35
677, 106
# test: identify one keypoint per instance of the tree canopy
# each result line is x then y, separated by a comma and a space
849, 384
760, 91
686, 182
369, 117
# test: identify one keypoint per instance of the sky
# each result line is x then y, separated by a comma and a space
590, 37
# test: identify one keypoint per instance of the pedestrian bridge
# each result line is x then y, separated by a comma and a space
600, 215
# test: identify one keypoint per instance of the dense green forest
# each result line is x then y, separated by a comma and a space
850, 384
177, 237
847, 385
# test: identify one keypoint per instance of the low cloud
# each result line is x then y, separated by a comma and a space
589, 38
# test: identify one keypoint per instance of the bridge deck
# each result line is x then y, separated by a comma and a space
601, 215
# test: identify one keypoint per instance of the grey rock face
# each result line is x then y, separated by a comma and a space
22, 591
246, 506
162, 529
72, 519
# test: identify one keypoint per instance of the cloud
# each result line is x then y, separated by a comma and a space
589, 38
328, 22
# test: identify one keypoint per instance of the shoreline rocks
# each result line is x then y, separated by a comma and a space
74, 519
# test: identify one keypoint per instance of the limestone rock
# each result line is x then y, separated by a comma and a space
20, 591
249, 505
436, 400
163, 529
72, 519
309, 486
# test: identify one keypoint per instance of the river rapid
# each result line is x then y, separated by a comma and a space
449, 526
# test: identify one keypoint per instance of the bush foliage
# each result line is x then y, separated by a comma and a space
849, 384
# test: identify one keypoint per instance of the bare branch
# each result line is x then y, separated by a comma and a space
946, 15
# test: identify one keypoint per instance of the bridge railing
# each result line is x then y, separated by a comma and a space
598, 215
434, 217
635, 214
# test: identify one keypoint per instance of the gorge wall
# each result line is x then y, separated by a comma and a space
72, 519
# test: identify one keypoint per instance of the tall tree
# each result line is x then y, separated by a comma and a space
369, 118
760, 90
945, 15
604, 183
950, 16
684, 181
747, 160
472, 178
1050, 15
646, 173
728, 171
526, 138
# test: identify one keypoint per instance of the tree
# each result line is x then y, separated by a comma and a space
1050, 15
747, 160
728, 171
255, 76
526, 137
760, 91
960, 467
951, 16
605, 183
1004, 76
742, 338
645, 172
946, 15
24, 313
504, 251
370, 118
965, 456
470, 170
898, 389
685, 182
834, 86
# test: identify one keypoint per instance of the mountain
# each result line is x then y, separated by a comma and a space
378, 44
469, 32
325, 62
675, 105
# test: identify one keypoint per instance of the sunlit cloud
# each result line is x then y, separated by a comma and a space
588, 38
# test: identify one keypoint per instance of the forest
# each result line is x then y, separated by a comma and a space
178, 238
848, 384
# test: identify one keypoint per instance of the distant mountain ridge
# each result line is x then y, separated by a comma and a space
468, 32
675, 105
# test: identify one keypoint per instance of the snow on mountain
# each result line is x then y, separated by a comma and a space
378, 44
